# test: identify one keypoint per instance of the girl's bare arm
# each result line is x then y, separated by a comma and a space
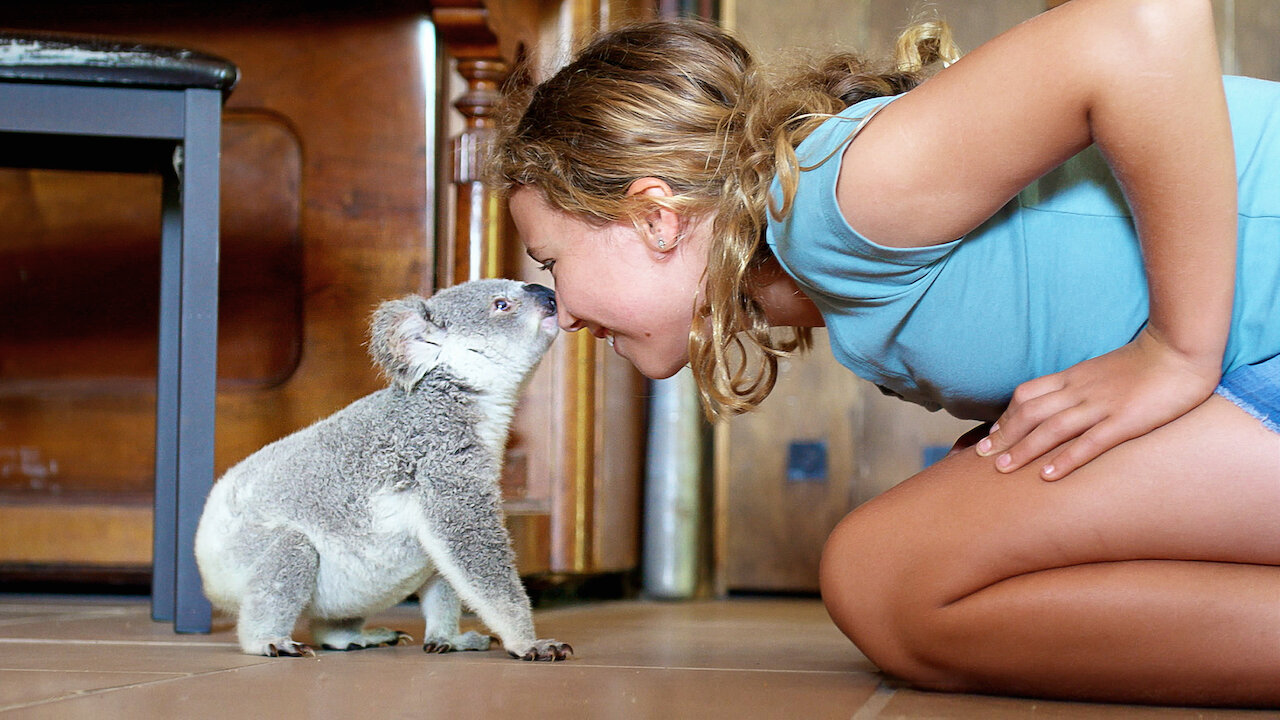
1141, 78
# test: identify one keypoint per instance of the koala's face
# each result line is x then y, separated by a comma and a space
487, 333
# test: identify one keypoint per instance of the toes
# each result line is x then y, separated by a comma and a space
547, 651
291, 649
401, 638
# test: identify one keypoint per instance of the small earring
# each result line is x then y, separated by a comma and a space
662, 243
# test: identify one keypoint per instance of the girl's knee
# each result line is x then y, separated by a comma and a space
872, 595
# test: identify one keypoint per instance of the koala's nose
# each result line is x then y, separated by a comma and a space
545, 296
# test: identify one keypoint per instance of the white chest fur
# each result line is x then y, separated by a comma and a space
359, 575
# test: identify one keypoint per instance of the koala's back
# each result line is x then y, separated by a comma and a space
325, 472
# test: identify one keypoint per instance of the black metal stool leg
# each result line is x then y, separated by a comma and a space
164, 543
198, 353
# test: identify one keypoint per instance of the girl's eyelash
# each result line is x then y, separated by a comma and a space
547, 265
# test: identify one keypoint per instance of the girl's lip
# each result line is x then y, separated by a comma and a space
604, 334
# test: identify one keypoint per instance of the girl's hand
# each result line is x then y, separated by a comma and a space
1097, 404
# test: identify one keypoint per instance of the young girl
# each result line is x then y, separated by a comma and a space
1073, 231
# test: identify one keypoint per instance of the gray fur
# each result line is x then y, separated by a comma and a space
396, 493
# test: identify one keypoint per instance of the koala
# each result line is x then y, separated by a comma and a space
394, 494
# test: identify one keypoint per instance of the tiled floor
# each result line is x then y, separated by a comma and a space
80, 657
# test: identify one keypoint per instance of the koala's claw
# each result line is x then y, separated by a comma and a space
290, 649
546, 651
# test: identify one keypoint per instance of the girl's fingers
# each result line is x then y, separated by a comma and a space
1081, 451
1071, 423
1025, 413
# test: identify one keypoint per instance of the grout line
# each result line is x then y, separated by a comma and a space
174, 677
874, 704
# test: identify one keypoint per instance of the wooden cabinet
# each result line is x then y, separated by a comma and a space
338, 186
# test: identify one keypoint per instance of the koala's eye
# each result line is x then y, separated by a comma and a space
501, 305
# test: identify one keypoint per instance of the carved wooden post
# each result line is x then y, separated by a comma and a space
481, 217
481, 225
480, 222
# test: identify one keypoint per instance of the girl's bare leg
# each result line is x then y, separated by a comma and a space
1150, 575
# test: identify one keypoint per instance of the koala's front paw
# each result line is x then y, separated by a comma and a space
547, 650
470, 640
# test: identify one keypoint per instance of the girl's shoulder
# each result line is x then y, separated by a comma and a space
831, 137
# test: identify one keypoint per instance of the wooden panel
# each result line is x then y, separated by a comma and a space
84, 248
775, 526
327, 211
339, 95
1255, 27
75, 535
620, 455
778, 30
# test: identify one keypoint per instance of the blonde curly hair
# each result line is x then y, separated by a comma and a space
683, 101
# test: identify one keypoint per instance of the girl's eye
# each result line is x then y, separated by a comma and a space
501, 305
547, 265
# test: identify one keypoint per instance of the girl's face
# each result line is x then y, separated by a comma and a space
616, 282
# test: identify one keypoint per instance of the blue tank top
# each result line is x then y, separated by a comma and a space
1052, 279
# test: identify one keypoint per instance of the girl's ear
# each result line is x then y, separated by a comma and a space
661, 227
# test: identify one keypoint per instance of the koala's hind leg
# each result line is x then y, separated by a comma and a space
442, 609
351, 634
280, 586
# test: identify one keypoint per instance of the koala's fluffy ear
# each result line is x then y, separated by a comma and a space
404, 341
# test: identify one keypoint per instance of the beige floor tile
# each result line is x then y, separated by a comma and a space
20, 687
749, 635
63, 658
175, 657
334, 686
134, 625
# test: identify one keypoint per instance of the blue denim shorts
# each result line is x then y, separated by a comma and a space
1256, 389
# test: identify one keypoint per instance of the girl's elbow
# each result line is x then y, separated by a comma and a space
1168, 25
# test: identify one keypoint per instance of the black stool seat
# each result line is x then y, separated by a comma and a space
88, 60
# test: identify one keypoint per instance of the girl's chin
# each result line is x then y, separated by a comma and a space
652, 368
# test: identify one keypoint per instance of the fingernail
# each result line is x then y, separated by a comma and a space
1004, 461
994, 428
1048, 472
984, 446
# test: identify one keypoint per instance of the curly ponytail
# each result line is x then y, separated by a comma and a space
683, 101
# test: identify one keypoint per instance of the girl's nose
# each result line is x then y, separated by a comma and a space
568, 322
